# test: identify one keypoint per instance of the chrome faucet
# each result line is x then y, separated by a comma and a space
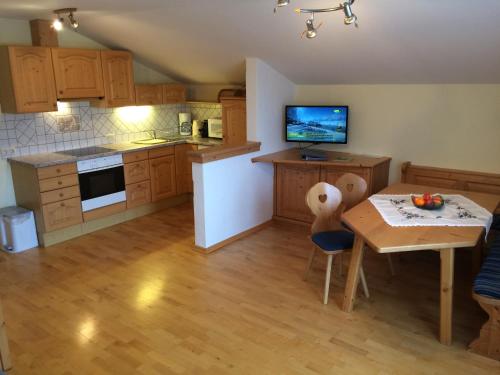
153, 134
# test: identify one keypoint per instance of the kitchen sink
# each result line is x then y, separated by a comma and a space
154, 141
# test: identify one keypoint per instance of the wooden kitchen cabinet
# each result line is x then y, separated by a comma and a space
183, 168
148, 94
78, 73
62, 214
138, 194
292, 184
174, 93
234, 120
27, 81
118, 78
136, 172
163, 181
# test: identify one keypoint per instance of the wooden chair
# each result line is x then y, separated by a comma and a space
353, 189
327, 233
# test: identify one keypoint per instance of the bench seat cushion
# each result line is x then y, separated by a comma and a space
334, 240
487, 282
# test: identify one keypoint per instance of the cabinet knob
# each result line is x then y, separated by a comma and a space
61, 92
63, 204
61, 195
58, 170
59, 182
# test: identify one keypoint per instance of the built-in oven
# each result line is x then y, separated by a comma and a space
102, 181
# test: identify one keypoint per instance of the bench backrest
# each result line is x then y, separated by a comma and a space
451, 178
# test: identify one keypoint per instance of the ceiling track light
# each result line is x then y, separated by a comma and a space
311, 31
58, 23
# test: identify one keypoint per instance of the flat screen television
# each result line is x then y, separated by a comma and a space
316, 124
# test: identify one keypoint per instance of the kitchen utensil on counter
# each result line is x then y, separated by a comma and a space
204, 129
185, 123
196, 128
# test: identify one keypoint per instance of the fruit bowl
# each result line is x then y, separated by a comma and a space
428, 201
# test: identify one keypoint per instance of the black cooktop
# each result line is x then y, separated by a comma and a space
87, 151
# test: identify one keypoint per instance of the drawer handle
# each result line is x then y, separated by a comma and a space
58, 170
61, 195
59, 182
63, 204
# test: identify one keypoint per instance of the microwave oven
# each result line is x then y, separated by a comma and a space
215, 128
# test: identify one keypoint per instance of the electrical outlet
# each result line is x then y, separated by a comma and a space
7, 152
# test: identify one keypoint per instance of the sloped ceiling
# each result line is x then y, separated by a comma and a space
206, 41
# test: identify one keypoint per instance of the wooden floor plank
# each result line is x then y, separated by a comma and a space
137, 299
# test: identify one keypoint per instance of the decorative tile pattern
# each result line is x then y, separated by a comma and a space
40, 132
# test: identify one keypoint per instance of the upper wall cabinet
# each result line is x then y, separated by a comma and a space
78, 73
174, 93
27, 80
234, 120
118, 74
148, 94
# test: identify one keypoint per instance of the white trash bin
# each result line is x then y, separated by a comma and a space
17, 229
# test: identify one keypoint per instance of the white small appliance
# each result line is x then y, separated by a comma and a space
215, 128
196, 128
17, 229
185, 123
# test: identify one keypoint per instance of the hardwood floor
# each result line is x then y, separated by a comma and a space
136, 299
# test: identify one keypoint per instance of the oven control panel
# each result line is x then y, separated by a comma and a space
99, 163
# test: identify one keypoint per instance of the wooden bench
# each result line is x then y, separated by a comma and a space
487, 294
451, 179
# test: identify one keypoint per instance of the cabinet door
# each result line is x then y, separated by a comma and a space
184, 175
234, 121
162, 171
78, 73
138, 194
148, 94
292, 184
62, 214
118, 75
136, 172
32, 85
174, 93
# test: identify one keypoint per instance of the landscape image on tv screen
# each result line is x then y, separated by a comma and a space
317, 124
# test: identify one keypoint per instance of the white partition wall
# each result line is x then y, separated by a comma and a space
234, 195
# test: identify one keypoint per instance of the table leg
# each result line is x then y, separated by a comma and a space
447, 266
353, 274
4, 344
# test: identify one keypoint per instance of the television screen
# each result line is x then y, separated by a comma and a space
316, 124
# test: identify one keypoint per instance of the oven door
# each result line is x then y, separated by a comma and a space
102, 187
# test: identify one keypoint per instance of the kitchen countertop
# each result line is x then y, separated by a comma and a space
53, 158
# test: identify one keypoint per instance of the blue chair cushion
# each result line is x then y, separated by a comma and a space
487, 282
333, 240
496, 222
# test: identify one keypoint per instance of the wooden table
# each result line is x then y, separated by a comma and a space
370, 229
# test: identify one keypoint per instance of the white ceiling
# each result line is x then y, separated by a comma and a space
206, 41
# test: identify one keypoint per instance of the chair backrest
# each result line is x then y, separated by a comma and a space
323, 200
352, 187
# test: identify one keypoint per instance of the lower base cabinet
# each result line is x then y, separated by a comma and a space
62, 214
138, 194
163, 182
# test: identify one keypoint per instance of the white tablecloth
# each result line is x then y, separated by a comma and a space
459, 211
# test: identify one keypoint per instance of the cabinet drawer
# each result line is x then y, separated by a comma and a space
163, 151
138, 194
62, 214
56, 171
58, 182
60, 194
132, 157
136, 172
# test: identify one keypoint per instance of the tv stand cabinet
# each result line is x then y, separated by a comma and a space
293, 177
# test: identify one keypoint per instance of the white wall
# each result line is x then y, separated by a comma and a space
451, 126
234, 195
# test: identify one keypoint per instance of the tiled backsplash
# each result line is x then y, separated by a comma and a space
77, 125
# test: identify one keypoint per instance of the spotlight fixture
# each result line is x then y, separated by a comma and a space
311, 31
58, 23
280, 4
